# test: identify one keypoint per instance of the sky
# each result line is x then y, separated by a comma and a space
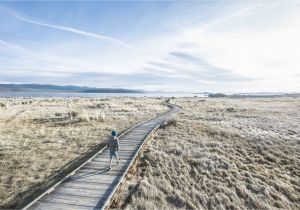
191, 46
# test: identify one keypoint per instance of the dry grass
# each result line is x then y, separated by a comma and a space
221, 154
40, 136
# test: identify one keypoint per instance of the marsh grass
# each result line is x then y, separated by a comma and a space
41, 136
220, 154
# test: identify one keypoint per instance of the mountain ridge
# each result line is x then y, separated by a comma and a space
61, 88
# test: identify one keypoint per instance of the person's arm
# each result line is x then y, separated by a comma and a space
118, 144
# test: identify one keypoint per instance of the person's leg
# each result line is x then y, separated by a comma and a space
117, 156
110, 160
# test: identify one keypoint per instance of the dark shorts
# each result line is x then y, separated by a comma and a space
113, 153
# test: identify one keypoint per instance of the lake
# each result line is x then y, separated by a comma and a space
95, 95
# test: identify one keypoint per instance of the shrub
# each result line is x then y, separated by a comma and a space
58, 114
172, 122
2, 104
230, 109
73, 114
84, 118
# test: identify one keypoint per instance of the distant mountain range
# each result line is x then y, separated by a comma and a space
56, 88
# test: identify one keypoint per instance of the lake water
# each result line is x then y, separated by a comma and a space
95, 95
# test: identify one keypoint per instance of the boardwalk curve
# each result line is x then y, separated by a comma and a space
92, 186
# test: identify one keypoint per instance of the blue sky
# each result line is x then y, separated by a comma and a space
225, 45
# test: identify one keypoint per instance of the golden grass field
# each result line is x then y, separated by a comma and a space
40, 136
220, 154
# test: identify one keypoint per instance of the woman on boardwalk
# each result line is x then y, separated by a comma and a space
113, 145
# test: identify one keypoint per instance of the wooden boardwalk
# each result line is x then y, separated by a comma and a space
93, 185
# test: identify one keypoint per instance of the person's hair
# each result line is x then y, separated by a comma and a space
114, 133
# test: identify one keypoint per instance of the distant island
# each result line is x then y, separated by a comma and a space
56, 88
254, 95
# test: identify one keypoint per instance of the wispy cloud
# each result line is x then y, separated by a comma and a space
68, 29
208, 70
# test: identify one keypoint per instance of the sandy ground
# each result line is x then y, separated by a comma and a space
220, 154
40, 136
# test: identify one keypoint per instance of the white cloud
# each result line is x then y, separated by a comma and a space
255, 46
266, 49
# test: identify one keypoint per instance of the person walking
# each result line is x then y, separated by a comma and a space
113, 146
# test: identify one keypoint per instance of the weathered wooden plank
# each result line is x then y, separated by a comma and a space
138, 135
96, 193
126, 151
115, 172
103, 162
133, 143
106, 159
60, 206
103, 168
96, 173
129, 141
121, 152
123, 155
90, 183
95, 168
100, 168
72, 199
128, 147
85, 185
133, 137
101, 165
136, 132
97, 176
106, 179
92, 170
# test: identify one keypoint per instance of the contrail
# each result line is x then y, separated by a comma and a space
69, 29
